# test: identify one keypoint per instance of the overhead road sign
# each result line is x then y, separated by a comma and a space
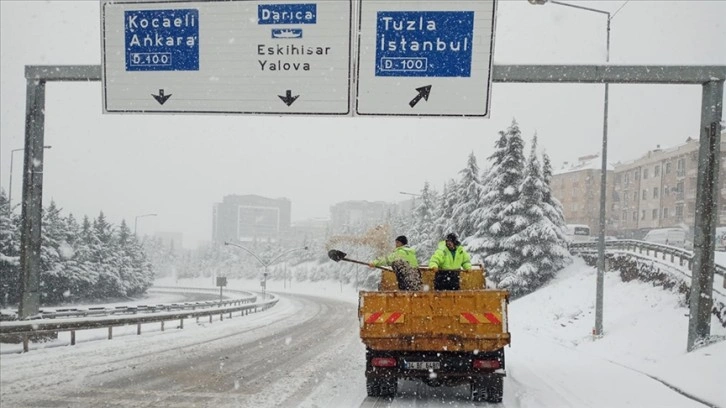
425, 58
227, 56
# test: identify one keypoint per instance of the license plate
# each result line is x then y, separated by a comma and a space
423, 365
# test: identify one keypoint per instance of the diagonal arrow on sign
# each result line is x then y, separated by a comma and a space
161, 98
288, 98
423, 92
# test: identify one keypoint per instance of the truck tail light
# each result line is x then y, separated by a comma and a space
486, 364
383, 362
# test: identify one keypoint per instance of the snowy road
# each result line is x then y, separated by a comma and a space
304, 349
304, 352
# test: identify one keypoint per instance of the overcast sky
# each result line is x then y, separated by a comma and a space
178, 166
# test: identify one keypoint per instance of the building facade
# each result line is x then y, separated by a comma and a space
577, 187
250, 218
658, 190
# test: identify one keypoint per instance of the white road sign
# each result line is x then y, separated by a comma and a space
425, 58
233, 56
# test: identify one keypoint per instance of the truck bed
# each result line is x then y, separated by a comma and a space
457, 320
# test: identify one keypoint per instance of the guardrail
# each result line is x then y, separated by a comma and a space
677, 256
26, 329
150, 308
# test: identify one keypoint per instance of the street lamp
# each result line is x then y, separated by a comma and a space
10, 184
136, 220
262, 261
603, 172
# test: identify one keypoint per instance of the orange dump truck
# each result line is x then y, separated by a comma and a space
440, 337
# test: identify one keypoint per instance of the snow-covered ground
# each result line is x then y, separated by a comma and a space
553, 360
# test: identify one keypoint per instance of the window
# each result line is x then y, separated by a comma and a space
681, 167
626, 177
616, 196
656, 171
642, 215
665, 213
625, 215
645, 194
655, 214
655, 192
635, 216
636, 174
666, 191
668, 168
635, 196
645, 174
618, 179
679, 211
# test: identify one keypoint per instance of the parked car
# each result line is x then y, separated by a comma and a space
676, 237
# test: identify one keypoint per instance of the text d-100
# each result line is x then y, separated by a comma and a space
150, 58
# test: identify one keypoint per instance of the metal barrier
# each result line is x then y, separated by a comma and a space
677, 256
28, 328
149, 308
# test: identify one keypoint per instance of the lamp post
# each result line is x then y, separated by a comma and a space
136, 220
264, 263
598, 330
10, 184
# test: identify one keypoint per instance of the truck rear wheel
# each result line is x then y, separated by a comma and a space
489, 389
381, 387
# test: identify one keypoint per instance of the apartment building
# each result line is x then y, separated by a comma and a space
577, 187
658, 190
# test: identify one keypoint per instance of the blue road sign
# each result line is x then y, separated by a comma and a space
287, 13
162, 40
424, 43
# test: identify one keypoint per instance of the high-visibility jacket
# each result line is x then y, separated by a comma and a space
443, 259
404, 252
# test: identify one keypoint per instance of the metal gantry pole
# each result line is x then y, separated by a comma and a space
707, 194
32, 204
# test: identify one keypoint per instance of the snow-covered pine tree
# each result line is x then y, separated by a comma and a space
55, 285
84, 252
425, 214
468, 199
445, 222
103, 249
9, 253
535, 248
501, 190
552, 206
482, 242
122, 258
74, 256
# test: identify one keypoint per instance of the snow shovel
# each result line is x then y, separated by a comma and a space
338, 256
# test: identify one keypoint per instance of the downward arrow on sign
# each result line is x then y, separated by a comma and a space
288, 98
161, 98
